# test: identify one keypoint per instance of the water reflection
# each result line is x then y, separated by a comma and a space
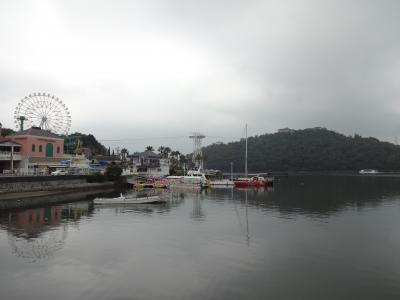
322, 196
197, 212
308, 238
39, 232
316, 196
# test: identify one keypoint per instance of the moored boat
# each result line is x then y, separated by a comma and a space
151, 183
222, 182
194, 178
255, 181
130, 200
368, 171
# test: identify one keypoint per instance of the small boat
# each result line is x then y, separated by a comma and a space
368, 171
151, 183
130, 200
194, 178
222, 182
255, 181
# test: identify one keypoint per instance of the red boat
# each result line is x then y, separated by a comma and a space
255, 181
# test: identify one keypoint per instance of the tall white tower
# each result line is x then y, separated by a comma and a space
197, 158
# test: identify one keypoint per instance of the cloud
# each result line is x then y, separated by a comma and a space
167, 68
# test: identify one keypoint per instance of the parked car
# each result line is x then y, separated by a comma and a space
59, 172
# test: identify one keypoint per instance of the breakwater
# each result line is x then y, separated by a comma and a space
34, 199
45, 183
30, 191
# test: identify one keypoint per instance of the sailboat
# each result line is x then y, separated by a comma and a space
254, 181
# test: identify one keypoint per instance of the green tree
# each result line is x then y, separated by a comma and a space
167, 151
164, 151
313, 149
7, 131
113, 172
124, 153
161, 150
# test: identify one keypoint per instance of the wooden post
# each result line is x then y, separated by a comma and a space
12, 160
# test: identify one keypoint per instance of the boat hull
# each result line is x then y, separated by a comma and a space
124, 200
251, 182
242, 184
222, 183
188, 181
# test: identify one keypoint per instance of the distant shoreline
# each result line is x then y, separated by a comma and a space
309, 173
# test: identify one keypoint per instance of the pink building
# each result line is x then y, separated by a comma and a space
30, 151
38, 143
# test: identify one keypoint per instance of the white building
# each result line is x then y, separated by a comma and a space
149, 164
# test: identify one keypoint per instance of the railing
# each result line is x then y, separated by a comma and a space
6, 155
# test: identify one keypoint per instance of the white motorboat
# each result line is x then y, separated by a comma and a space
222, 182
194, 178
130, 200
368, 171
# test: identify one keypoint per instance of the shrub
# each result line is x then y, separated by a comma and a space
97, 177
113, 172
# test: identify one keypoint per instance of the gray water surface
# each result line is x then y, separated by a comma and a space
311, 237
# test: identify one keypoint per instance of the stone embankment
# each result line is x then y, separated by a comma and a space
35, 190
45, 183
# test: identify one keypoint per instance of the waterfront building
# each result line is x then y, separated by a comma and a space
148, 163
77, 164
10, 156
31, 151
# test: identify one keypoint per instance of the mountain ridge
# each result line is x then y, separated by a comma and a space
311, 149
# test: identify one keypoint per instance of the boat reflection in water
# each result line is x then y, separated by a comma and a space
311, 237
38, 233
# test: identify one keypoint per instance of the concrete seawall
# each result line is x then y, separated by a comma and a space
45, 183
34, 199
30, 191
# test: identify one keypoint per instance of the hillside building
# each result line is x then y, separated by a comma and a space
286, 130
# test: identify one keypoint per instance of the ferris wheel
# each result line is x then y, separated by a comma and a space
43, 110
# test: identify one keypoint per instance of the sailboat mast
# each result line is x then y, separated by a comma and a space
245, 162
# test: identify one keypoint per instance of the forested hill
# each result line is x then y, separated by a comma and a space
77, 139
315, 149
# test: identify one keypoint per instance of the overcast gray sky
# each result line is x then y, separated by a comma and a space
164, 68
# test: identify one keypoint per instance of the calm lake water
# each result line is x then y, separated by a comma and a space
311, 237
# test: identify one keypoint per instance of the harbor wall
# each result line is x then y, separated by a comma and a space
46, 183
35, 199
